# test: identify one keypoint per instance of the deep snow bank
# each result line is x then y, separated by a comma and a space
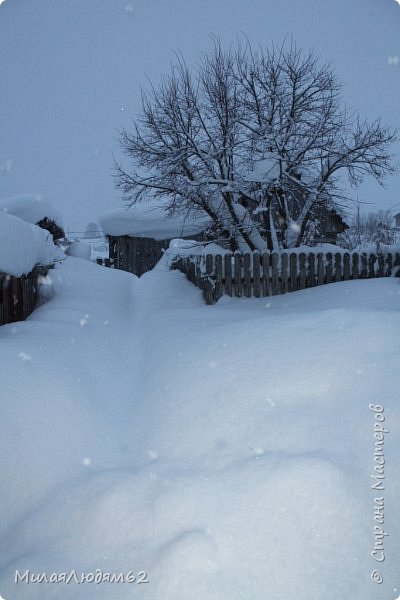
226, 450
23, 246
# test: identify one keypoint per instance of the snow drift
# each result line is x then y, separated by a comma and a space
226, 451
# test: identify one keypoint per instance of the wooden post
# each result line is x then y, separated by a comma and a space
238, 275
311, 270
396, 266
247, 275
208, 291
219, 290
329, 268
266, 287
371, 265
302, 269
7, 300
355, 274
209, 265
338, 267
275, 274
346, 266
256, 274
389, 265
293, 272
320, 270
364, 271
381, 265
228, 274
284, 272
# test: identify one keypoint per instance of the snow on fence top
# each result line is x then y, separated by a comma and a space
23, 246
150, 222
30, 208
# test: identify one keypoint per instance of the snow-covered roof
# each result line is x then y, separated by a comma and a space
31, 208
151, 221
23, 246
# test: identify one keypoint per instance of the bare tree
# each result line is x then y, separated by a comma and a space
254, 139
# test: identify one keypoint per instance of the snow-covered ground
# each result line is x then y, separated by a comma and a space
226, 451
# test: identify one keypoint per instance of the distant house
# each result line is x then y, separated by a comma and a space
397, 220
139, 235
330, 224
327, 222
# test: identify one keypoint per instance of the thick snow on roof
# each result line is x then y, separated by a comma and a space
31, 208
151, 221
22, 246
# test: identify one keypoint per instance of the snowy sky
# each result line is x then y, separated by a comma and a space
71, 72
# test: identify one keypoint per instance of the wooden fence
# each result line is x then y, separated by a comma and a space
18, 295
139, 254
269, 274
105, 262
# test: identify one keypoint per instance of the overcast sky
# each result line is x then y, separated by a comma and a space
71, 73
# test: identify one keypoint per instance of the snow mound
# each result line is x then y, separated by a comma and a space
79, 250
23, 246
31, 208
226, 451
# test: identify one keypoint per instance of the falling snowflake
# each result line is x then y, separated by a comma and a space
5, 167
87, 461
24, 356
83, 321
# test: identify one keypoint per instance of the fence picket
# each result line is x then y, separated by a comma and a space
389, 265
371, 265
293, 272
320, 269
381, 265
238, 275
338, 267
266, 288
302, 271
228, 274
284, 273
311, 271
256, 275
346, 266
246, 275
275, 274
364, 263
396, 269
218, 277
355, 273
329, 268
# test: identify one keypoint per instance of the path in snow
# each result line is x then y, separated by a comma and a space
226, 450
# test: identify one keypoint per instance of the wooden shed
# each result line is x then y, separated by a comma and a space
331, 224
138, 236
